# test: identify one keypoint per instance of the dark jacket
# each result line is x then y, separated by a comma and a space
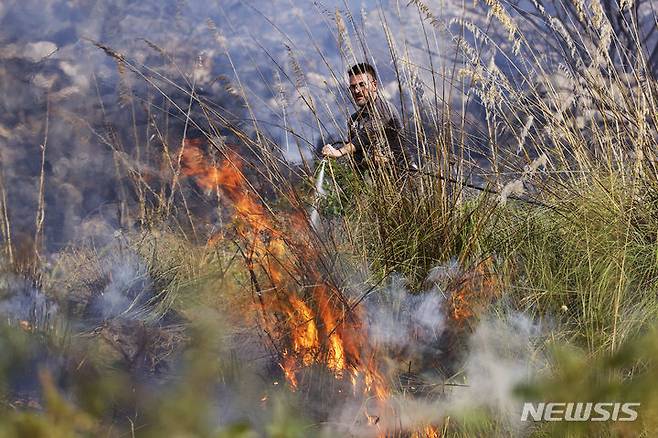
377, 127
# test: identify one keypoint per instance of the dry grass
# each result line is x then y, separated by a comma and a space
576, 244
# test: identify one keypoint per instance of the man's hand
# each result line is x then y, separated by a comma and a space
330, 151
379, 157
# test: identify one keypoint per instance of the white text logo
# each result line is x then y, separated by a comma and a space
579, 411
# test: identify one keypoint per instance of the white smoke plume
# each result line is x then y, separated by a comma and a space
501, 357
128, 290
500, 353
394, 315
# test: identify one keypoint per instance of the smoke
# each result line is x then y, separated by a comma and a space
398, 319
412, 335
128, 290
20, 301
399, 327
501, 357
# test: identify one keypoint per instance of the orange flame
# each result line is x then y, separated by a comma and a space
427, 432
336, 353
314, 327
304, 331
307, 329
288, 366
472, 291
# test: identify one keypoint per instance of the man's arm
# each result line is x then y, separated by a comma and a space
348, 148
330, 151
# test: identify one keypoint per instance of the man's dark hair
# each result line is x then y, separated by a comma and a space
362, 68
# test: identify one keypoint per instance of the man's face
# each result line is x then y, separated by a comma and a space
363, 88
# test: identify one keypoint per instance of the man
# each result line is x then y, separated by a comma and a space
375, 129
